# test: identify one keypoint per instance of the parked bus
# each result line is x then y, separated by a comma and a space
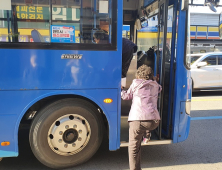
67, 88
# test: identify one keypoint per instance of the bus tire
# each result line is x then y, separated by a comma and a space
66, 133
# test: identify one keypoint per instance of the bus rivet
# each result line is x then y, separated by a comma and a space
67, 126
179, 135
60, 132
60, 140
73, 145
75, 126
181, 112
79, 139
184, 86
66, 146
80, 131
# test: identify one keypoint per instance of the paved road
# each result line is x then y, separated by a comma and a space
201, 151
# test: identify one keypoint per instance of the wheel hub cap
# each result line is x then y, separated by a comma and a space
69, 134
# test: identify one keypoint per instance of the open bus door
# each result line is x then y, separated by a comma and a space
158, 43
163, 68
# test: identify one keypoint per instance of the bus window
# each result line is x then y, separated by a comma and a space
147, 37
21, 21
62, 22
92, 18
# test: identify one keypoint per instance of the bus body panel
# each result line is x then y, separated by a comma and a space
44, 69
29, 75
20, 100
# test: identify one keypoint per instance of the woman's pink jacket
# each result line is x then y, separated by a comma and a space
144, 95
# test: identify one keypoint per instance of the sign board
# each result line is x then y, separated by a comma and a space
32, 12
103, 7
62, 34
43, 13
5, 5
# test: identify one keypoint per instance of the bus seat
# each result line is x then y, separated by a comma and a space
37, 37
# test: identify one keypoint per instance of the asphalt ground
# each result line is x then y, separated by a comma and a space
201, 151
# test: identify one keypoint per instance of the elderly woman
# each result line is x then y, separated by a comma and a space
143, 116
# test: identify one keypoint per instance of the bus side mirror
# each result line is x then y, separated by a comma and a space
201, 64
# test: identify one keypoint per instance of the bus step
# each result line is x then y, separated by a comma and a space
152, 142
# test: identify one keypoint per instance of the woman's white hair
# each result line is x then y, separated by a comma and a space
144, 72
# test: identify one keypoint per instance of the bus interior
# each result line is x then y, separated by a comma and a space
152, 27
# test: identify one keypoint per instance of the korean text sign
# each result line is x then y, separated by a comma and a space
62, 34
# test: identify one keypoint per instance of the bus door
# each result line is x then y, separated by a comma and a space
164, 66
154, 42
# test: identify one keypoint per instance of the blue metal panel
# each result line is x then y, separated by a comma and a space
201, 33
119, 47
184, 126
216, 34
28, 75
148, 2
192, 33
126, 27
182, 90
44, 69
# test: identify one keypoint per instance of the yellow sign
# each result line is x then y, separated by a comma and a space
29, 12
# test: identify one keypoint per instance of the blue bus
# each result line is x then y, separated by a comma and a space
56, 81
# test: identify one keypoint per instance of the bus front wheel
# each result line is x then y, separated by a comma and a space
66, 133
